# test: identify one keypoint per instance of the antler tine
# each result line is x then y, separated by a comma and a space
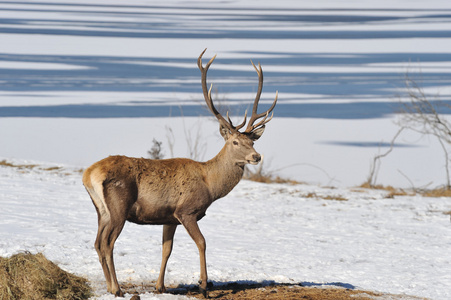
260, 87
265, 114
238, 127
265, 119
207, 92
244, 121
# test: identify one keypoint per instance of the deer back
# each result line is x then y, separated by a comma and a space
147, 191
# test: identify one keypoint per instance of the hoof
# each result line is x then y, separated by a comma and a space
135, 297
160, 290
204, 292
119, 294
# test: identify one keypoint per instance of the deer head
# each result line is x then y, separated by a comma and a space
239, 143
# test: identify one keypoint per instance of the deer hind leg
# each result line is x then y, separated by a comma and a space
95, 191
168, 238
101, 250
110, 224
190, 224
107, 233
104, 246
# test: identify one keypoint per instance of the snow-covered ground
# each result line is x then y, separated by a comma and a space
259, 232
81, 80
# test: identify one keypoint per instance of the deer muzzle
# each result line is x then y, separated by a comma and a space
254, 159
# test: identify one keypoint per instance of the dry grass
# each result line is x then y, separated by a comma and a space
52, 169
440, 192
269, 179
263, 175
28, 276
325, 197
5, 163
392, 191
25, 168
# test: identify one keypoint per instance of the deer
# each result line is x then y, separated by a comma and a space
171, 192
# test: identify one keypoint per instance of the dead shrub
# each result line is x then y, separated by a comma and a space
28, 276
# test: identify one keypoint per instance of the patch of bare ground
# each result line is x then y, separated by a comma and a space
272, 291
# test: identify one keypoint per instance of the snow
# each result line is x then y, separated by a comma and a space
259, 232
81, 81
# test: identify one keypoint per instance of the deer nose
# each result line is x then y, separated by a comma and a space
257, 157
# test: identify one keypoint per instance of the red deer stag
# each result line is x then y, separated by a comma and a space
170, 192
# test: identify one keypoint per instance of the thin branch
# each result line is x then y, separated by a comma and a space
171, 139
448, 185
408, 179
374, 169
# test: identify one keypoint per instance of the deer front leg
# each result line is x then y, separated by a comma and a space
190, 224
168, 238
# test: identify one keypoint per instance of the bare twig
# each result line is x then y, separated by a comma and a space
195, 142
445, 151
412, 186
374, 168
171, 139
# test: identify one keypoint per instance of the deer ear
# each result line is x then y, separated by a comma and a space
257, 133
224, 131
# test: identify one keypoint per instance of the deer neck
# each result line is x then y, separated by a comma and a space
223, 173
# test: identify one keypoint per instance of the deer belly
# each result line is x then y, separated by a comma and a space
152, 213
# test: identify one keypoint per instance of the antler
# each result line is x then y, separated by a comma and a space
207, 93
255, 116
221, 119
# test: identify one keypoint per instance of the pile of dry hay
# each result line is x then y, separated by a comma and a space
28, 276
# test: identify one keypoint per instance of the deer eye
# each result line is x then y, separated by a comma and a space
235, 143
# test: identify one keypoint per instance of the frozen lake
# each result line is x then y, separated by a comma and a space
72, 64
